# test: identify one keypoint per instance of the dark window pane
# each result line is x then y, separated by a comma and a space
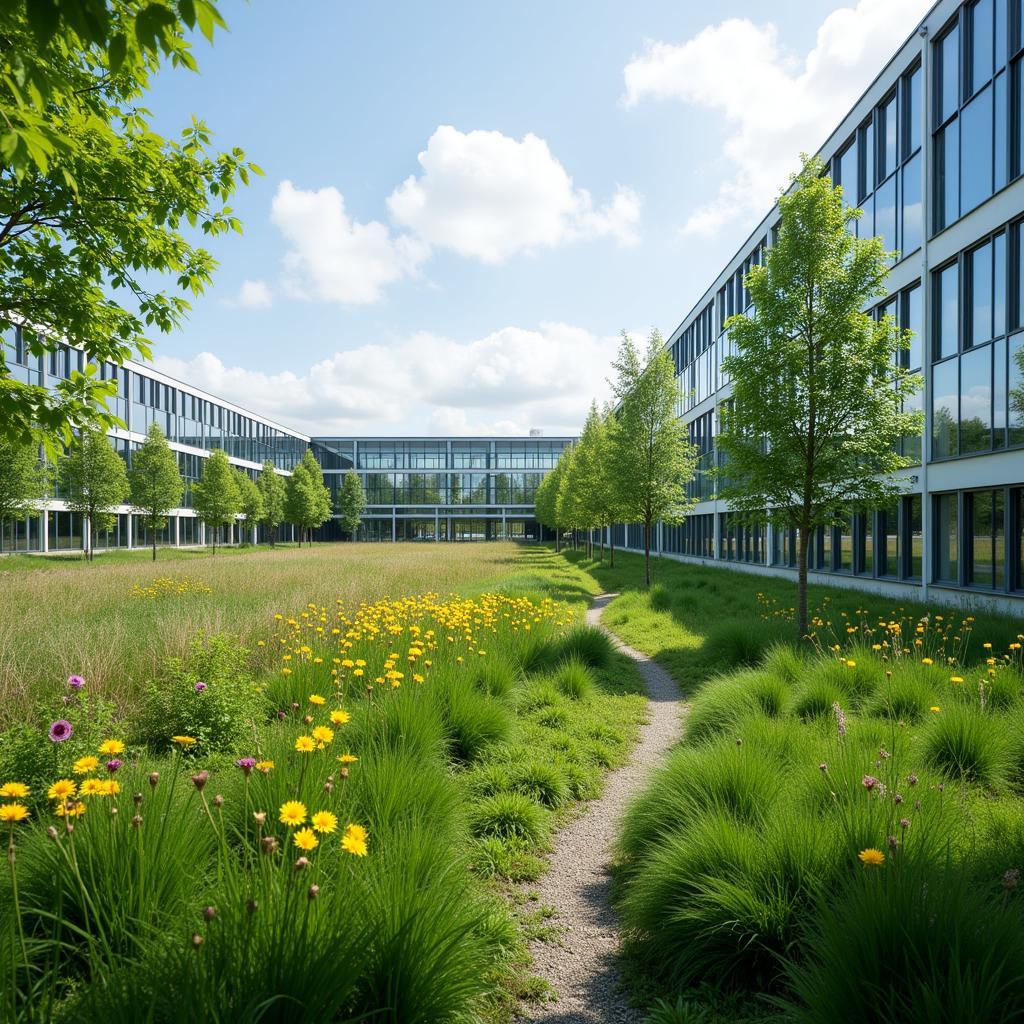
913, 212
980, 302
889, 539
976, 400
887, 139
1001, 27
1002, 129
980, 16
947, 175
914, 533
948, 72
946, 532
912, 322
944, 409
981, 568
947, 307
912, 112
999, 393
1016, 390
999, 286
976, 143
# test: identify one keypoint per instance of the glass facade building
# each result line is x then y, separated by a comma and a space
416, 488
933, 153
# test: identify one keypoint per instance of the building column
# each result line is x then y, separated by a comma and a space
177, 531
45, 531
394, 524
129, 519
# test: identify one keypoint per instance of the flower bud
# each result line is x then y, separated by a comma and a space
52, 833
308, 719
136, 799
343, 771
328, 786
209, 913
269, 844
259, 816
197, 940
136, 820
154, 778
200, 779
313, 892
302, 863
251, 906
218, 801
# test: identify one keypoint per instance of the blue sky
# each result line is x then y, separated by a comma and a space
464, 203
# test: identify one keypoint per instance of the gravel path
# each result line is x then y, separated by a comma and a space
581, 964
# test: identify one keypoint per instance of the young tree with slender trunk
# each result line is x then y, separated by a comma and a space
351, 503
546, 500
651, 456
272, 489
308, 500
25, 480
215, 496
818, 389
95, 482
250, 499
155, 481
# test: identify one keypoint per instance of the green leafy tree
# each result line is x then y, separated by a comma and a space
546, 499
308, 500
605, 496
272, 488
569, 504
818, 389
589, 478
652, 459
215, 496
94, 480
351, 503
25, 480
94, 203
155, 481
250, 500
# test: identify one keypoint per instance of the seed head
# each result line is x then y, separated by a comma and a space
209, 913
154, 778
200, 779
313, 892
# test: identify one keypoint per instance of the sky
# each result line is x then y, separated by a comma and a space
463, 204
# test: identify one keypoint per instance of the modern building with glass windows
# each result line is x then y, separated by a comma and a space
933, 153
459, 488
416, 488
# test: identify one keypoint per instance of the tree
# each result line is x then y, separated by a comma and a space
652, 459
215, 496
351, 502
569, 504
818, 389
95, 481
155, 482
545, 507
93, 199
272, 489
308, 501
24, 480
589, 477
250, 499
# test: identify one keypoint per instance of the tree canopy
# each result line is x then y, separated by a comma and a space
272, 489
215, 496
351, 503
98, 210
94, 480
24, 480
250, 498
307, 501
818, 391
155, 481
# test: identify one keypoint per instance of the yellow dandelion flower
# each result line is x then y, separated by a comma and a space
305, 744
340, 717
292, 813
927, 661
872, 857
956, 679
354, 840
112, 747
62, 789
92, 787
15, 789
183, 741
264, 766
324, 821
305, 839
84, 765
11, 813
315, 698
935, 709
110, 787
323, 734
347, 758
69, 809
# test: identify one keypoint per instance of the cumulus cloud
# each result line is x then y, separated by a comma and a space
334, 258
775, 103
503, 383
253, 295
487, 196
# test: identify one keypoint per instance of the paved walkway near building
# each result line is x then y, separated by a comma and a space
580, 965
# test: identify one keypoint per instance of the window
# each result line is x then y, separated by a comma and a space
848, 174
944, 410
885, 214
985, 525
980, 28
977, 145
845, 539
947, 75
913, 535
976, 401
947, 537
947, 175
912, 112
979, 304
889, 541
1015, 397
912, 210
886, 125
946, 311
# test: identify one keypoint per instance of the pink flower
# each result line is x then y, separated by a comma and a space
60, 730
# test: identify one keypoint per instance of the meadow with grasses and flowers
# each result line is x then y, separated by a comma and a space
840, 836
320, 826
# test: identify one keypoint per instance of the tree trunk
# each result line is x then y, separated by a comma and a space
801, 584
558, 541
154, 545
92, 537
611, 547
647, 554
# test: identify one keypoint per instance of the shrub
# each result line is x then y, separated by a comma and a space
920, 942
488, 779
969, 744
208, 695
905, 696
404, 720
472, 720
732, 643
856, 676
573, 679
508, 815
495, 677
660, 598
814, 698
723, 700
541, 782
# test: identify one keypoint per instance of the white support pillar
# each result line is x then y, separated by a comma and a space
177, 531
130, 520
45, 516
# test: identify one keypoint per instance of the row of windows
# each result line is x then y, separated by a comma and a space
444, 488
337, 453
979, 538
427, 529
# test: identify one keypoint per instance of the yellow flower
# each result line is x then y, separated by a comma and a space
935, 709
292, 813
304, 744
71, 809
183, 741
851, 664
323, 734
92, 787
875, 858
324, 821
84, 765
18, 789
340, 717
315, 698
264, 766
927, 661
956, 679
357, 672
305, 839
347, 758
10, 813
111, 787
62, 789
111, 747
354, 840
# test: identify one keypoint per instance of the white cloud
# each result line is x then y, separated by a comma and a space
775, 104
503, 383
334, 258
254, 295
488, 196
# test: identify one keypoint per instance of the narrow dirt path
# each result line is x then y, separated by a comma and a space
581, 965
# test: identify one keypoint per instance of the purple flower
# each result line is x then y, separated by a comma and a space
76, 682
840, 719
869, 782
199, 687
246, 764
60, 730
113, 765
